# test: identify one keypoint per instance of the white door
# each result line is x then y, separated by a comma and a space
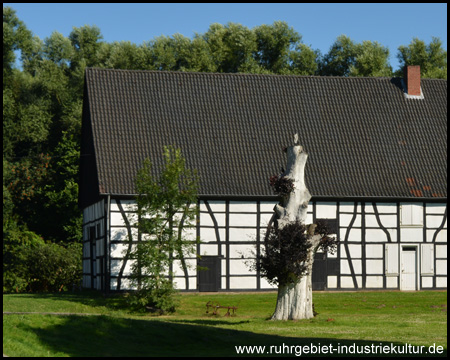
409, 268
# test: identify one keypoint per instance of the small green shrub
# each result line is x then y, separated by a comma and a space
156, 300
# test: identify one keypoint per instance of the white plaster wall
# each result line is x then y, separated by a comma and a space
326, 210
374, 281
243, 206
374, 251
411, 234
117, 219
441, 267
441, 282
374, 266
243, 282
331, 281
349, 207
127, 205
207, 220
242, 219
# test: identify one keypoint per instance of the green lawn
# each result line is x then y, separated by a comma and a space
367, 320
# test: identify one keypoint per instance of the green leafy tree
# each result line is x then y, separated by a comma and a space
16, 37
431, 58
167, 205
371, 59
339, 59
274, 45
347, 58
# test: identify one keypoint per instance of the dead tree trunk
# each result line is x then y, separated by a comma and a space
294, 300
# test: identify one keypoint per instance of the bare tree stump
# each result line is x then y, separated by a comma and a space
294, 301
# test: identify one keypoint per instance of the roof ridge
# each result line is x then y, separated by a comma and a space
202, 73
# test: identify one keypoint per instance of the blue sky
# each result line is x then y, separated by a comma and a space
391, 25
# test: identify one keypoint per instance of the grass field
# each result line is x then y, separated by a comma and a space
367, 321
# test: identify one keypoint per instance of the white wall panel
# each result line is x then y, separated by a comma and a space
374, 266
355, 251
119, 234
242, 234
209, 234
434, 221
127, 205
345, 266
243, 219
267, 206
238, 267
331, 282
216, 206
191, 267
117, 219
435, 208
441, 282
326, 210
243, 206
388, 221
441, 251
349, 207
265, 219
119, 250
237, 251
386, 208
441, 267
374, 282
116, 266
411, 235
242, 283
354, 234
347, 282
211, 250
374, 251
207, 220
375, 235
346, 219
441, 236
371, 221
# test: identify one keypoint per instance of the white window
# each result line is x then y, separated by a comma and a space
391, 259
427, 259
411, 214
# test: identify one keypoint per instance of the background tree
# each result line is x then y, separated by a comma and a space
371, 59
347, 58
166, 207
431, 58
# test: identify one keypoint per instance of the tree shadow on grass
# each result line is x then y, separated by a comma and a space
92, 298
113, 336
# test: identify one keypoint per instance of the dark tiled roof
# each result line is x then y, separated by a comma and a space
363, 137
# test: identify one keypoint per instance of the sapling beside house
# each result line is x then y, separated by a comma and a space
164, 211
291, 244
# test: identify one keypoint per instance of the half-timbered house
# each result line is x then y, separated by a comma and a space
377, 169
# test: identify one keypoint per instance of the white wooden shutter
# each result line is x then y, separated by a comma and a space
391, 259
427, 259
411, 214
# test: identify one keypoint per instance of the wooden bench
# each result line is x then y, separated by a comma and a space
215, 306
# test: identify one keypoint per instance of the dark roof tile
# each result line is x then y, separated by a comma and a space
364, 138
